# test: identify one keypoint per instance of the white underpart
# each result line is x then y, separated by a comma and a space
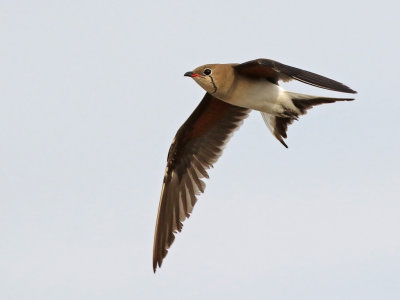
260, 95
269, 120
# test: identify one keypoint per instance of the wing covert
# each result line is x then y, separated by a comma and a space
275, 71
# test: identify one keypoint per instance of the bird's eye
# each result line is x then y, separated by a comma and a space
207, 72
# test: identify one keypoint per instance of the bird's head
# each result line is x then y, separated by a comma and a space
214, 78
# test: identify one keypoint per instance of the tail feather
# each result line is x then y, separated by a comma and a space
304, 102
278, 124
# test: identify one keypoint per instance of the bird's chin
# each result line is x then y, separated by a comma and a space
203, 84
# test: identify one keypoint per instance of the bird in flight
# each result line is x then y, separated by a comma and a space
232, 91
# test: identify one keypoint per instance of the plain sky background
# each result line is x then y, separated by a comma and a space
91, 96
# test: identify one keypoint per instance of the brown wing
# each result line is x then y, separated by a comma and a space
275, 71
196, 146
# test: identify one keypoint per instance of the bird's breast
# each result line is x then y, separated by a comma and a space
258, 94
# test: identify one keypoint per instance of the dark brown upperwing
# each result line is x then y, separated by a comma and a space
275, 71
197, 145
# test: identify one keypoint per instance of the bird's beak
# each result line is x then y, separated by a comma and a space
189, 74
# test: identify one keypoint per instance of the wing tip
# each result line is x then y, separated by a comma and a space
349, 90
155, 264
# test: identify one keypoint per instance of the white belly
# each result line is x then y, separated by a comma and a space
260, 95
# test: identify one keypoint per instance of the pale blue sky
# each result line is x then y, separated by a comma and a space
92, 93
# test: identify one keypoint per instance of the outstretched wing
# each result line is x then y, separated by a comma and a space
275, 71
197, 145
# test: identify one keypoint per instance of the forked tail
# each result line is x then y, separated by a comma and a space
301, 103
